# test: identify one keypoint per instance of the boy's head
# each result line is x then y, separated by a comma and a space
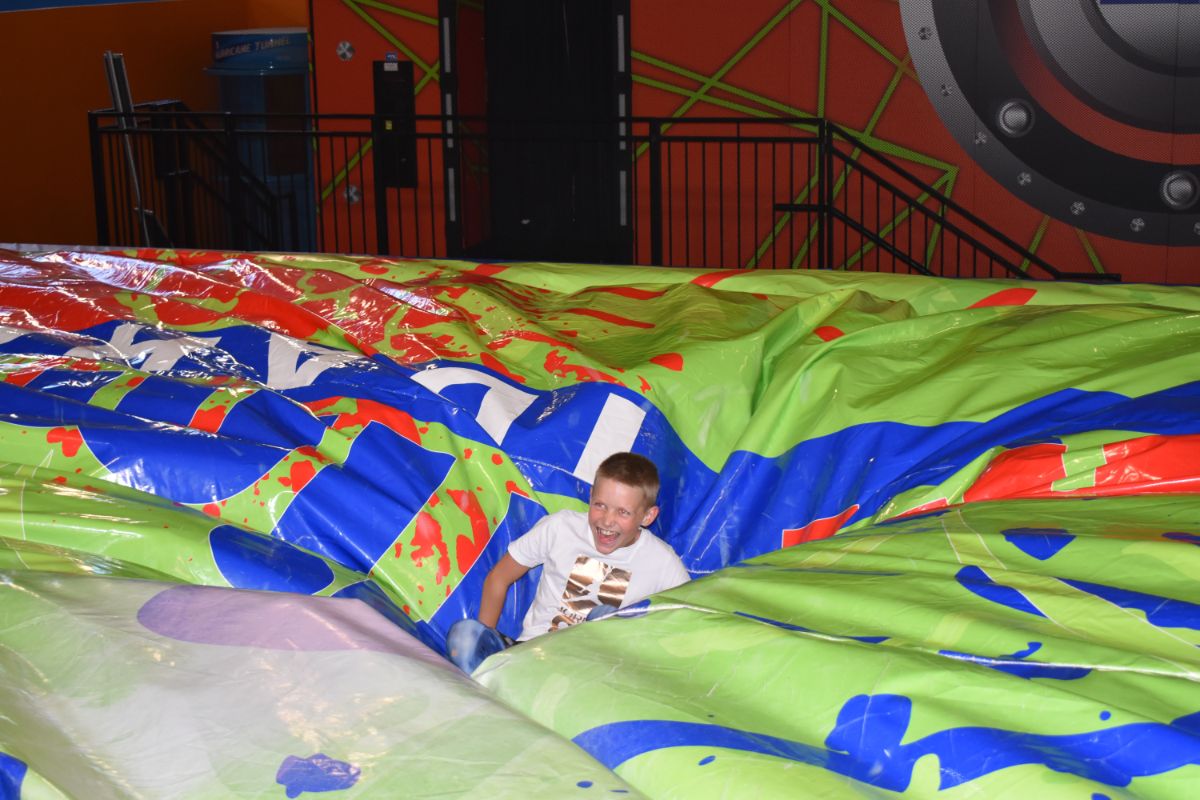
623, 500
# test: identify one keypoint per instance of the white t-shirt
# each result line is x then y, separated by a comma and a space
576, 577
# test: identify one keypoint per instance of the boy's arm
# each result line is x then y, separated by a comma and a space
495, 586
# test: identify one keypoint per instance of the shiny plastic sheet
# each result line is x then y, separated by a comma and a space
1029, 648
132, 688
381, 429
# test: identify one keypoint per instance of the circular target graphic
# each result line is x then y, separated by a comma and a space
1088, 110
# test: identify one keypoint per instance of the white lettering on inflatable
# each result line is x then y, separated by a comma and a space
501, 405
154, 355
283, 353
615, 431
8, 333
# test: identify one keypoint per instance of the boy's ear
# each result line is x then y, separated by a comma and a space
651, 515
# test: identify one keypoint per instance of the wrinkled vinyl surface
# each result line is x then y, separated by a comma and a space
1018, 649
209, 457
133, 688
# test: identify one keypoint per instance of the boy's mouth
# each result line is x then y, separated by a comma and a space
606, 538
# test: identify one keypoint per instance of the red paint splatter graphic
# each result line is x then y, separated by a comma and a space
413, 348
1156, 464
504, 337
368, 320
453, 292
628, 291
512, 488
828, 333
178, 313
557, 365
497, 459
373, 411
317, 406
818, 529
212, 509
672, 361
208, 419
426, 539
932, 505
397, 549
420, 318
615, 319
71, 440
1144, 465
487, 269
23, 377
493, 363
58, 309
467, 550
713, 278
1018, 472
1006, 297
300, 474
311, 452
277, 314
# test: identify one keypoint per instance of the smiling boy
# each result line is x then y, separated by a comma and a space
602, 557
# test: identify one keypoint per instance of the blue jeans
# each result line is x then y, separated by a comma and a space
469, 642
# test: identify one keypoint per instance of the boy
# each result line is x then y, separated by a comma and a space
604, 558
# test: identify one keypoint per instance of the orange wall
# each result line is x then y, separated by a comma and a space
690, 57
52, 74
763, 58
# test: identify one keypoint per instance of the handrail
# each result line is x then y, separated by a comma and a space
916, 206
666, 201
948, 202
249, 187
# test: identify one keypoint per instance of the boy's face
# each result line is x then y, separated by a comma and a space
617, 514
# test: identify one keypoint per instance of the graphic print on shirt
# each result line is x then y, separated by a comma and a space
591, 583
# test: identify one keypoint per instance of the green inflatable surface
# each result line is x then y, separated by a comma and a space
944, 535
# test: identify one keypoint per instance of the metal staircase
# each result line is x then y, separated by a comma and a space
711, 192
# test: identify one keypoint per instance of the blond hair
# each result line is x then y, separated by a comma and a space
632, 470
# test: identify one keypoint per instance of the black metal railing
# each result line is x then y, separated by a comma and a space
711, 192
891, 220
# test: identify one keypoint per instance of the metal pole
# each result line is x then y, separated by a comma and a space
822, 179
118, 89
656, 221
378, 144
827, 199
102, 237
